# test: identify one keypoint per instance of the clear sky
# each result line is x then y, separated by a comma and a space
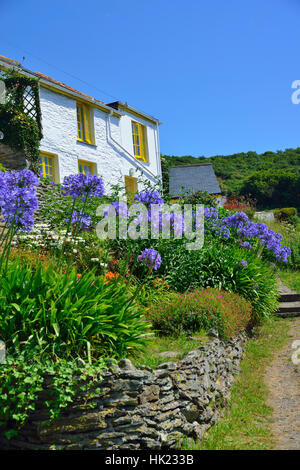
217, 73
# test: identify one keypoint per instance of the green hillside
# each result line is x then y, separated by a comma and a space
232, 170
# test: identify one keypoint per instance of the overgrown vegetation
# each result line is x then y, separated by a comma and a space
21, 123
186, 314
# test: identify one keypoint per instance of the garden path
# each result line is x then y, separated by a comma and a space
283, 381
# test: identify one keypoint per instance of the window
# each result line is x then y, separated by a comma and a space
130, 186
47, 166
85, 168
139, 142
84, 127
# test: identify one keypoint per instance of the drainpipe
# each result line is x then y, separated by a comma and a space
158, 162
139, 165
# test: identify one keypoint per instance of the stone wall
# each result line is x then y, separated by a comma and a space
142, 409
12, 159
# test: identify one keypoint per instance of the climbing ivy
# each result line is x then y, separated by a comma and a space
22, 380
21, 130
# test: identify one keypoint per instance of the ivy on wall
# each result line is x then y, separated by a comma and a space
20, 116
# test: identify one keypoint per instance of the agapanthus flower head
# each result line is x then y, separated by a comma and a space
150, 258
81, 219
83, 186
149, 197
243, 262
211, 213
245, 245
117, 208
236, 220
18, 200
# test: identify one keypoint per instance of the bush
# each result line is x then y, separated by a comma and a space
241, 203
294, 260
200, 197
221, 266
286, 214
228, 313
272, 187
241, 271
68, 315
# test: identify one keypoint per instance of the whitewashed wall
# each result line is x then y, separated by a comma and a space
111, 150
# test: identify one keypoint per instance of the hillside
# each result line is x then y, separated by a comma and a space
231, 170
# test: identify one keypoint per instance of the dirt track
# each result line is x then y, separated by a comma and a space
283, 381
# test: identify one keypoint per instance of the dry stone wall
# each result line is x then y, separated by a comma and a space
12, 159
143, 408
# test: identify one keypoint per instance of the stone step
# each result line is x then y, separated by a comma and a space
289, 297
287, 314
289, 309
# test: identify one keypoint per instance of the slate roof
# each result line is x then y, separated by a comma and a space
192, 178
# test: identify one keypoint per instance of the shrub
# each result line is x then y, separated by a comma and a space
241, 203
241, 271
286, 214
228, 313
219, 266
272, 187
294, 260
200, 197
68, 315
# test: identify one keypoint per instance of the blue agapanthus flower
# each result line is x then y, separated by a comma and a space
81, 219
83, 186
150, 258
149, 197
18, 200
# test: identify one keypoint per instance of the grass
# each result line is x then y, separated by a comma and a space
179, 345
291, 279
246, 424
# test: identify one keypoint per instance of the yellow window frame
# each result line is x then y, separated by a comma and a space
83, 166
131, 186
47, 166
139, 142
84, 126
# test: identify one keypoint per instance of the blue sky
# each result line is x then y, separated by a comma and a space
217, 73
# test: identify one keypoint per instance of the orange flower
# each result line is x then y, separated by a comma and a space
115, 261
79, 275
109, 276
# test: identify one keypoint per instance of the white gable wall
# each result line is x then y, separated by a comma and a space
112, 152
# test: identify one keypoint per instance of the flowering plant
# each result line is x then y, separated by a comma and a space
83, 186
150, 258
18, 202
250, 235
149, 197
79, 217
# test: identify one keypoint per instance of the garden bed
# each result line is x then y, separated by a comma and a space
141, 408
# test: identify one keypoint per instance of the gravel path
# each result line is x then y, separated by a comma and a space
283, 381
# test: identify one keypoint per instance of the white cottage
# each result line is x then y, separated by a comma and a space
84, 135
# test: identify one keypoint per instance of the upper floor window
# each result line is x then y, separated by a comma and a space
47, 166
84, 123
85, 168
139, 141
